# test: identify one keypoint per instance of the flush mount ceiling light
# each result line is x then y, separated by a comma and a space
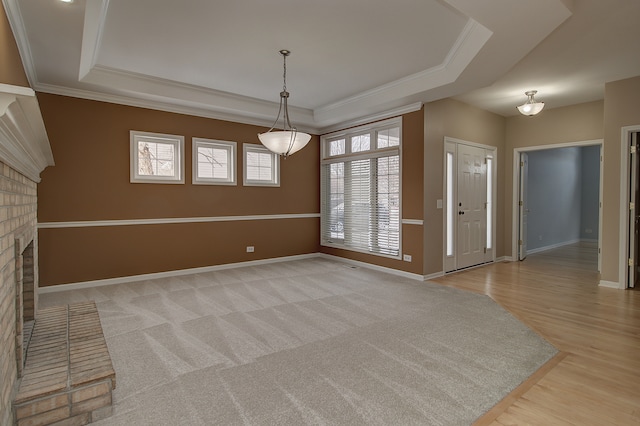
531, 107
289, 140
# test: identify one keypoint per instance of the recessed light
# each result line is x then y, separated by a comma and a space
66, 1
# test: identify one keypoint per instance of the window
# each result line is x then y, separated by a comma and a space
336, 147
489, 203
261, 166
214, 162
156, 158
450, 209
360, 206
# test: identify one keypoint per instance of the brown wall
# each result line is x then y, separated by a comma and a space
458, 120
621, 108
90, 181
90, 141
412, 190
576, 123
11, 69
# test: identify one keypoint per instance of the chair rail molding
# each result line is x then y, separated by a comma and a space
24, 144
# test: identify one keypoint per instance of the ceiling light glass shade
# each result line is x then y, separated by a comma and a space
288, 140
531, 107
284, 142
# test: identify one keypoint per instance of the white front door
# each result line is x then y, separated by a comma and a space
472, 206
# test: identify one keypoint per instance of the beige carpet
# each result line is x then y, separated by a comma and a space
307, 342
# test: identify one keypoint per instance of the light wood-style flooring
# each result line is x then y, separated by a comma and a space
595, 379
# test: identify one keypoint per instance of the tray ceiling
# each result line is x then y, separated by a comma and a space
350, 59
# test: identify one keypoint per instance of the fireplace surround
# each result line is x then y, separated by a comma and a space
26, 295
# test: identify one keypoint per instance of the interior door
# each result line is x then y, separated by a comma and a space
472, 219
523, 209
634, 189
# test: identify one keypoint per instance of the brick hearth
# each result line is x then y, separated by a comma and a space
68, 375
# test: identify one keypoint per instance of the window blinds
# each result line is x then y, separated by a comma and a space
361, 198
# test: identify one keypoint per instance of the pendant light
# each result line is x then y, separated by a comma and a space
531, 107
288, 140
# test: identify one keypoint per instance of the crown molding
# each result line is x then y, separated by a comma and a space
468, 44
14, 16
24, 144
164, 94
94, 19
394, 112
160, 105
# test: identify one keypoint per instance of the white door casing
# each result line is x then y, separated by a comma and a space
624, 230
633, 211
523, 207
624, 188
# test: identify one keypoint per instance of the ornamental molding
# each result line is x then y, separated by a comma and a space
24, 144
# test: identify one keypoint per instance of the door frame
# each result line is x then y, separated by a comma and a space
515, 213
625, 175
523, 178
447, 261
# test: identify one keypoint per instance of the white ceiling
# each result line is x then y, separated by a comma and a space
351, 59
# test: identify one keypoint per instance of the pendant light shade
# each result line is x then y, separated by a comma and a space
531, 107
284, 142
288, 140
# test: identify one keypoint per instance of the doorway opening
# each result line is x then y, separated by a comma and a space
557, 193
469, 204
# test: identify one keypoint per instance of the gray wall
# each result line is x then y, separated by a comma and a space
590, 192
563, 192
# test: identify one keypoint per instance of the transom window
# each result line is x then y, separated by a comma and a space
360, 191
261, 166
156, 158
214, 162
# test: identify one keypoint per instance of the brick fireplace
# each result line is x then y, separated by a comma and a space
18, 277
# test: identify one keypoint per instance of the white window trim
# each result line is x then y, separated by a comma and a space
373, 152
275, 159
176, 140
229, 146
369, 128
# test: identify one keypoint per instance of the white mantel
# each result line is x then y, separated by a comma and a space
24, 144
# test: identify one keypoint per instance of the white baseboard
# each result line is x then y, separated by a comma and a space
167, 274
611, 284
177, 273
553, 246
180, 272
435, 275
375, 267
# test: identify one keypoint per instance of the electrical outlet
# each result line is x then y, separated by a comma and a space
250, 249
406, 258
588, 231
